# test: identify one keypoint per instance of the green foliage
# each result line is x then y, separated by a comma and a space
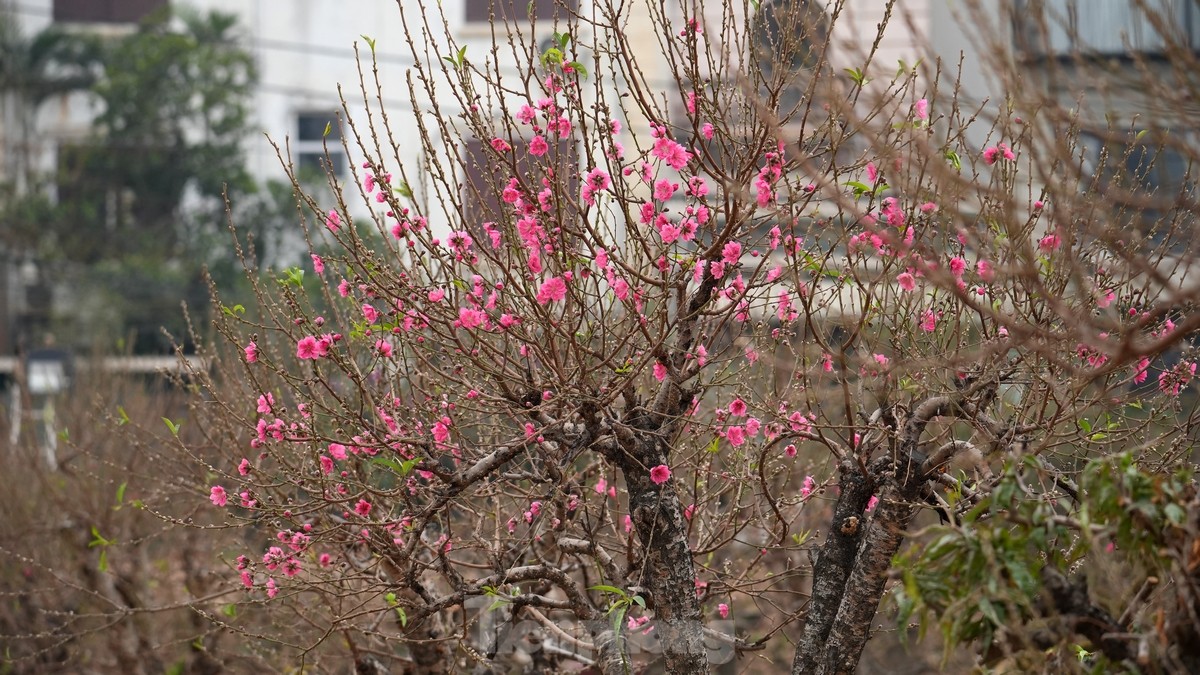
985, 576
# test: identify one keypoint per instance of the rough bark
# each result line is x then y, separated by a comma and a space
668, 572
833, 566
865, 586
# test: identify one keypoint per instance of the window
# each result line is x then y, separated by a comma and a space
311, 141
1057, 28
481, 11
1156, 174
105, 11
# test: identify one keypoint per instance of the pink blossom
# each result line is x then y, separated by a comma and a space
671, 152
217, 495
872, 172
326, 464
337, 451
664, 189
872, 503
265, 402
553, 289
958, 266
753, 425
308, 348
1142, 370
660, 474
660, 371
318, 264
906, 281
736, 436
723, 610
601, 486
272, 589
344, 288
1050, 243
806, 490
251, 352
244, 467
706, 130
333, 221
881, 359
921, 109
363, 508
731, 253
929, 321
384, 348
790, 450
737, 407
985, 270
370, 313
441, 430
500, 145
538, 146
1106, 299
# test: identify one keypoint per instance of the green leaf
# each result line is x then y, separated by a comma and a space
608, 589
230, 610
172, 426
563, 39
714, 446
402, 616
124, 417
579, 68
953, 158
103, 565
639, 600
121, 492
98, 540
858, 76
403, 190
328, 128
369, 41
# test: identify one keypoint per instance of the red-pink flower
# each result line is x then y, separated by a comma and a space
929, 321
318, 264
552, 290
660, 371
308, 348
538, 146
333, 221
737, 407
363, 508
660, 474
723, 610
218, 496
807, 489
1142, 370
731, 253
906, 281
384, 348
872, 503
251, 352
736, 436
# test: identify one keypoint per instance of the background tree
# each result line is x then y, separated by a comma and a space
139, 209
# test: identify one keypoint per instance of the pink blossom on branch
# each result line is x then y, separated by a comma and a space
553, 289
660, 474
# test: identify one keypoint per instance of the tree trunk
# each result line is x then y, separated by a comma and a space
668, 571
833, 567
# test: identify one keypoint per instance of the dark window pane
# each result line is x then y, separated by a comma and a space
518, 10
105, 11
311, 127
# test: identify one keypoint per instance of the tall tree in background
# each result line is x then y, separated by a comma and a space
138, 206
